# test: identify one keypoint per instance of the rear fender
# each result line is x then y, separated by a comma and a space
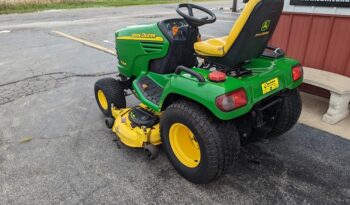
206, 93
202, 93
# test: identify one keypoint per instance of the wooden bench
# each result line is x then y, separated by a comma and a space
338, 85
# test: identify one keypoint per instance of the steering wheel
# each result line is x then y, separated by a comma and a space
191, 19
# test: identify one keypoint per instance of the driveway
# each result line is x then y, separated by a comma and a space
55, 148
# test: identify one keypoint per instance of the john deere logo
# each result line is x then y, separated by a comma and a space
265, 25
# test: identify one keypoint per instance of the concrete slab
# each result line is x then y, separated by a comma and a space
313, 109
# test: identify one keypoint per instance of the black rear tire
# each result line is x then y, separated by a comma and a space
289, 113
218, 141
113, 92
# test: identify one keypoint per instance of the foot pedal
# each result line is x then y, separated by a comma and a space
151, 90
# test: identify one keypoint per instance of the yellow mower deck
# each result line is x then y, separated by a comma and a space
133, 136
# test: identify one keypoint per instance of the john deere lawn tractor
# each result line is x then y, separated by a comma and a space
201, 99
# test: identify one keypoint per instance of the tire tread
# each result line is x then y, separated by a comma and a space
289, 113
113, 92
222, 141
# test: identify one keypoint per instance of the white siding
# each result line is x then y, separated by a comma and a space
316, 9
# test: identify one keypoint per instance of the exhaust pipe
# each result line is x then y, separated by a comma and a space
109, 122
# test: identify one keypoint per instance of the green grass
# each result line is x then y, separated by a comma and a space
69, 4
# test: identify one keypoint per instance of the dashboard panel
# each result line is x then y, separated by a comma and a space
174, 29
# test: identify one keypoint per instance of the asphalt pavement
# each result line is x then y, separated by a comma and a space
55, 148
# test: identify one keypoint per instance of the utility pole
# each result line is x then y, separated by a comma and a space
234, 6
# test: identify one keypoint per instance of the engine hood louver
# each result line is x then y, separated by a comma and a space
152, 47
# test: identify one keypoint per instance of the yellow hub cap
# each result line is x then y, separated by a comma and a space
184, 145
102, 99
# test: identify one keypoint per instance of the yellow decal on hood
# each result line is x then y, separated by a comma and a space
142, 37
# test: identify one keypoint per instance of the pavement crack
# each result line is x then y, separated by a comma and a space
14, 90
67, 74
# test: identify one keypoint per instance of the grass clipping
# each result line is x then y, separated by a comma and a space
20, 6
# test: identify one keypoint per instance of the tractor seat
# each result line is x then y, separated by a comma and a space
248, 37
211, 47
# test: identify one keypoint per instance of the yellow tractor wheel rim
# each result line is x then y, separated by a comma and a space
184, 145
102, 99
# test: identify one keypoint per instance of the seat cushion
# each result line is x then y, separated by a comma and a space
211, 47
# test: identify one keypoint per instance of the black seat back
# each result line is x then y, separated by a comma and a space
255, 34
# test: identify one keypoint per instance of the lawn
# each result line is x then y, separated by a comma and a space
21, 6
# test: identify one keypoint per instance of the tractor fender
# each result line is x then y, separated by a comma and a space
186, 86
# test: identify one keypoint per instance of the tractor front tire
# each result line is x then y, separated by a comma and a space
199, 146
289, 113
107, 92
